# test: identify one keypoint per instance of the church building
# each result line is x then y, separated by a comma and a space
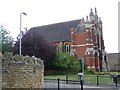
82, 38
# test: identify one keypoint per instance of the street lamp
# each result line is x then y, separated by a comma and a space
21, 29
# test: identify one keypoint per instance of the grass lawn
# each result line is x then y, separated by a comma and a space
115, 73
87, 78
55, 77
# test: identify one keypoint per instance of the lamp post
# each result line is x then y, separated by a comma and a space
21, 30
82, 67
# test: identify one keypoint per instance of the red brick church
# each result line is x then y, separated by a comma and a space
82, 38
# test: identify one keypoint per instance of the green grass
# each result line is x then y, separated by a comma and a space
104, 77
101, 78
55, 77
115, 73
87, 78
90, 78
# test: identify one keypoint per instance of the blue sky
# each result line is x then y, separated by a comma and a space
43, 12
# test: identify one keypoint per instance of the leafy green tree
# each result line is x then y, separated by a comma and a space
6, 41
66, 63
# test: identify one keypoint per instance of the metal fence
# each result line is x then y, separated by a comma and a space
58, 84
96, 79
75, 81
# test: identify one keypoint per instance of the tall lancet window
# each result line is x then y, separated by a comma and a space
67, 48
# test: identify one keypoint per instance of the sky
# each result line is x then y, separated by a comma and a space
44, 12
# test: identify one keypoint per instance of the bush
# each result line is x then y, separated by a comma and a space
90, 71
103, 73
66, 63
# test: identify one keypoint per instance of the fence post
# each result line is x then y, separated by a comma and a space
58, 84
66, 79
97, 80
81, 83
116, 80
78, 77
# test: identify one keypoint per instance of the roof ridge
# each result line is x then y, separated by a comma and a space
56, 23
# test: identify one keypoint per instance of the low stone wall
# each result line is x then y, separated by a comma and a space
113, 61
22, 71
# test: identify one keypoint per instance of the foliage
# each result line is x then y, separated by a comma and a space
90, 71
6, 40
66, 63
107, 73
39, 47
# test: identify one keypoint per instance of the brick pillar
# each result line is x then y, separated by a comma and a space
100, 60
96, 63
87, 61
93, 62
72, 34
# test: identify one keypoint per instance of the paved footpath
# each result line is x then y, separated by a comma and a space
54, 86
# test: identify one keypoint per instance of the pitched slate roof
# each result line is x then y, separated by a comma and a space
56, 32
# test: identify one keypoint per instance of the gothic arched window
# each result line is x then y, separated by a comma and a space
67, 48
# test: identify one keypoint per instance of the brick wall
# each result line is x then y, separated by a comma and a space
83, 40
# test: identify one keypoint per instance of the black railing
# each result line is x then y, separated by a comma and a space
88, 80
57, 84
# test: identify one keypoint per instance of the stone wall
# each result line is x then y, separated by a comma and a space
113, 61
22, 71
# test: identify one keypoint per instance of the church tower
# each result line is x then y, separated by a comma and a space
96, 37
87, 41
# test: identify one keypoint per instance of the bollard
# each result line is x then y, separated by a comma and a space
78, 77
81, 83
66, 79
116, 81
97, 80
58, 84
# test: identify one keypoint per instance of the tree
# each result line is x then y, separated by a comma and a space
6, 41
39, 47
66, 63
